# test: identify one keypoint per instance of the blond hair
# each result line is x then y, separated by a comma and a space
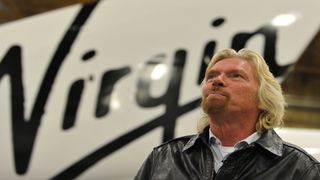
269, 93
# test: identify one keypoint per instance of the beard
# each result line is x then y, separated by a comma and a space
212, 104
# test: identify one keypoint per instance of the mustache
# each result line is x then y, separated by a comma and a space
219, 90
216, 88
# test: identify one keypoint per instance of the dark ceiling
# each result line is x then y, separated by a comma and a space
16, 9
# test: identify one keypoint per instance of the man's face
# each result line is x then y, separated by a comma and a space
230, 85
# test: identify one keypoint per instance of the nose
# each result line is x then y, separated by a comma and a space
218, 81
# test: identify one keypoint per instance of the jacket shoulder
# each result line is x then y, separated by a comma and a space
179, 141
298, 151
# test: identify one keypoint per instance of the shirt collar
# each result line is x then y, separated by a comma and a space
239, 145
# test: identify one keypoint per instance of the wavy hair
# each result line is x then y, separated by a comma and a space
269, 92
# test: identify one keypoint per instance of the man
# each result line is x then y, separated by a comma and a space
242, 102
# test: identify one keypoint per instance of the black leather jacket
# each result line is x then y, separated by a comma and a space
191, 157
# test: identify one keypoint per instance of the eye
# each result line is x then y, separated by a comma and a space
236, 75
211, 76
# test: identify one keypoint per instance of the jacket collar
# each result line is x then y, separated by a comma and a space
203, 136
269, 140
191, 142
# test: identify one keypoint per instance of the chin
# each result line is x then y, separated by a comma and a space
212, 107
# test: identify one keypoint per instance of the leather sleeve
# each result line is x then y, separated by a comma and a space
145, 170
312, 173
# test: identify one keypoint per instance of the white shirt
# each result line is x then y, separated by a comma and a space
221, 152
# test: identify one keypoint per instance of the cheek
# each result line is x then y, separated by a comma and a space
250, 95
205, 90
246, 93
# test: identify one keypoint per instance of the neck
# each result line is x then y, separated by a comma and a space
231, 130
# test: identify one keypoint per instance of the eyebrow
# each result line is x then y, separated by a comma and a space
241, 71
212, 71
229, 71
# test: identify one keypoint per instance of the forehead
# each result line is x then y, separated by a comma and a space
233, 63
